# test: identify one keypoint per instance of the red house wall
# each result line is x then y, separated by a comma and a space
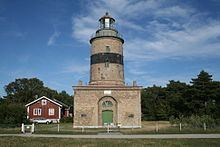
44, 110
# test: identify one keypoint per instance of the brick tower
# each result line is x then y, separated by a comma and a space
106, 100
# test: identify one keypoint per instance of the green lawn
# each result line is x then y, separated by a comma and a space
23, 141
148, 127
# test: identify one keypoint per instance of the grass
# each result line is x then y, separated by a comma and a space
10, 130
54, 142
148, 127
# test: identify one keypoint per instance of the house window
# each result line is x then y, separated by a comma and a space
44, 102
37, 111
51, 111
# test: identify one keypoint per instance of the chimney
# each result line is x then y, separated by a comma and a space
80, 83
134, 83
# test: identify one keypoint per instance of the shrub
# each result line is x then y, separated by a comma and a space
12, 114
66, 120
173, 120
194, 121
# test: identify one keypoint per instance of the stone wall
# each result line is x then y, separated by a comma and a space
127, 110
99, 45
112, 75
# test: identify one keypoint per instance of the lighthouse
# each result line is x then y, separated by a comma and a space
106, 100
107, 54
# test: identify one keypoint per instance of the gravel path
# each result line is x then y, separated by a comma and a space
158, 136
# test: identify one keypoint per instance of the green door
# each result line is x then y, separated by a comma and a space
107, 116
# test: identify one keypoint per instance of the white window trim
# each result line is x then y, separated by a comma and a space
51, 111
37, 111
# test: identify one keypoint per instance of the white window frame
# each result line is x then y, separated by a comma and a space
51, 111
107, 22
34, 111
37, 111
43, 102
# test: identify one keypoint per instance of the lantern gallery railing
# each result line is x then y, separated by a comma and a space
106, 33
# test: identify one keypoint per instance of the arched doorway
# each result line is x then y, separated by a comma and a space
107, 111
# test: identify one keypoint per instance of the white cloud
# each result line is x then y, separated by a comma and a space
14, 34
154, 30
191, 42
79, 71
53, 37
76, 68
86, 25
174, 11
174, 30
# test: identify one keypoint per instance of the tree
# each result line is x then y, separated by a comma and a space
202, 80
154, 103
179, 99
12, 113
176, 100
202, 88
26, 90
64, 97
21, 92
213, 104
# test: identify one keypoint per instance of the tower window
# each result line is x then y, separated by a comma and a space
107, 22
106, 63
107, 48
131, 115
83, 115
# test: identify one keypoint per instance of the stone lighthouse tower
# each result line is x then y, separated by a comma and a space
106, 100
107, 54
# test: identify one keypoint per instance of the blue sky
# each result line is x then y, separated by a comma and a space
164, 40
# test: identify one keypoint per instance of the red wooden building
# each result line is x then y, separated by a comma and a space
45, 108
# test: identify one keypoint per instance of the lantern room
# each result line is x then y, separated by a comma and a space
107, 22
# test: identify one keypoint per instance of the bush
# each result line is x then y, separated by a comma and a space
12, 114
194, 121
174, 120
66, 120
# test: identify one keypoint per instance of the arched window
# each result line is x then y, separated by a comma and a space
107, 104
